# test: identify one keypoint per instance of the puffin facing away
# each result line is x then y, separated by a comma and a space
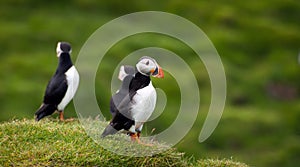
135, 101
62, 86
126, 74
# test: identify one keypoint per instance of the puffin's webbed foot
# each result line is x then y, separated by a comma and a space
61, 116
134, 137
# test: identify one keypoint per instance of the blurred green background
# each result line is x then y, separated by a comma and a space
258, 41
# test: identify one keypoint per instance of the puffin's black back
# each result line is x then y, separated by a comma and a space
57, 86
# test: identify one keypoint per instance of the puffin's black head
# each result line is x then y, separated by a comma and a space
63, 47
148, 66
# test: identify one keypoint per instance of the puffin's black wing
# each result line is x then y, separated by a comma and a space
121, 108
56, 89
118, 122
121, 102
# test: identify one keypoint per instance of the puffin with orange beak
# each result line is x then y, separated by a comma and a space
135, 101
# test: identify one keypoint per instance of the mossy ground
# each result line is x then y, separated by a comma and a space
53, 143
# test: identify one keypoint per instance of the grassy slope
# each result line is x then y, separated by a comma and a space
52, 143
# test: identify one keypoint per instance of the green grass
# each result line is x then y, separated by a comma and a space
53, 143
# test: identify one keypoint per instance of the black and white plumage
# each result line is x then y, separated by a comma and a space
126, 74
62, 86
135, 101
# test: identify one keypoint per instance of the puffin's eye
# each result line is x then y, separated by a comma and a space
147, 63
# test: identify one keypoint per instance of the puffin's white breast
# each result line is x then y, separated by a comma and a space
73, 81
143, 103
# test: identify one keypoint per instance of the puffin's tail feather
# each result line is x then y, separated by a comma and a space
109, 130
44, 110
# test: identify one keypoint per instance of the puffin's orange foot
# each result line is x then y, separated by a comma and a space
135, 137
61, 116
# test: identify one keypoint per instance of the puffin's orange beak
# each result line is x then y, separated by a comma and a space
160, 73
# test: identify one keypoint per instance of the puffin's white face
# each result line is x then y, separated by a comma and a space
148, 66
63, 47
